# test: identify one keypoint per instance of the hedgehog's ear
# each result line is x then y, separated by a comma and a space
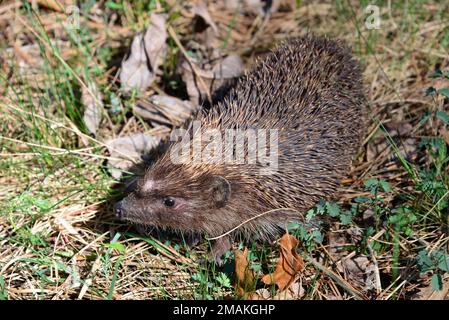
220, 190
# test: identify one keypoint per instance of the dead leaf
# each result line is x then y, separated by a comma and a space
259, 7
164, 110
359, 271
226, 69
200, 9
146, 52
195, 89
204, 28
134, 72
261, 294
288, 265
338, 242
125, 148
294, 291
245, 281
92, 100
230, 67
155, 40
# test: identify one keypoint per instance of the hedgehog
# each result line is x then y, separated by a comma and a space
307, 98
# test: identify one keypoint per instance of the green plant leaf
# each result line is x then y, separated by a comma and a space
385, 185
310, 214
346, 218
320, 207
424, 262
444, 92
113, 5
437, 282
443, 261
114, 277
370, 183
3, 292
317, 236
293, 226
223, 280
361, 200
425, 118
117, 246
443, 116
333, 209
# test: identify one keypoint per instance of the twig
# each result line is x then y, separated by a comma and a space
251, 219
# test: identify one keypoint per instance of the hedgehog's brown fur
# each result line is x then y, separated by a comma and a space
310, 88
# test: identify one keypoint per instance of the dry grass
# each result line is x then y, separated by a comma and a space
58, 238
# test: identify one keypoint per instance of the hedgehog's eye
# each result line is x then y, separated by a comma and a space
169, 202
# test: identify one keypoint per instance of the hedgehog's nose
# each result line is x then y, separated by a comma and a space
118, 209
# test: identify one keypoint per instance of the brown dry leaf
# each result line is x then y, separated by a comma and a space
294, 292
245, 281
164, 110
195, 89
200, 9
228, 68
134, 72
261, 294
124, 149
254, 6
288, 265
205, 29
340, 240
92, 100
147, 51
359, 271
155, 40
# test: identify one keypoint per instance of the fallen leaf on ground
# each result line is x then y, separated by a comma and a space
155, 40
228, 68
288, 265
261, 294
254, 6
164, 110
92, 100
124, 149
294, 291
200, 9
205, 29
146, 55
135, 72
358, 271
245, 281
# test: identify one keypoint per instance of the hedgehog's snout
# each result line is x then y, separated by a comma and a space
134, 210
123, 209
118, 210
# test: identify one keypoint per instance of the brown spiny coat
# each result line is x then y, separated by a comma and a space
311, 90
